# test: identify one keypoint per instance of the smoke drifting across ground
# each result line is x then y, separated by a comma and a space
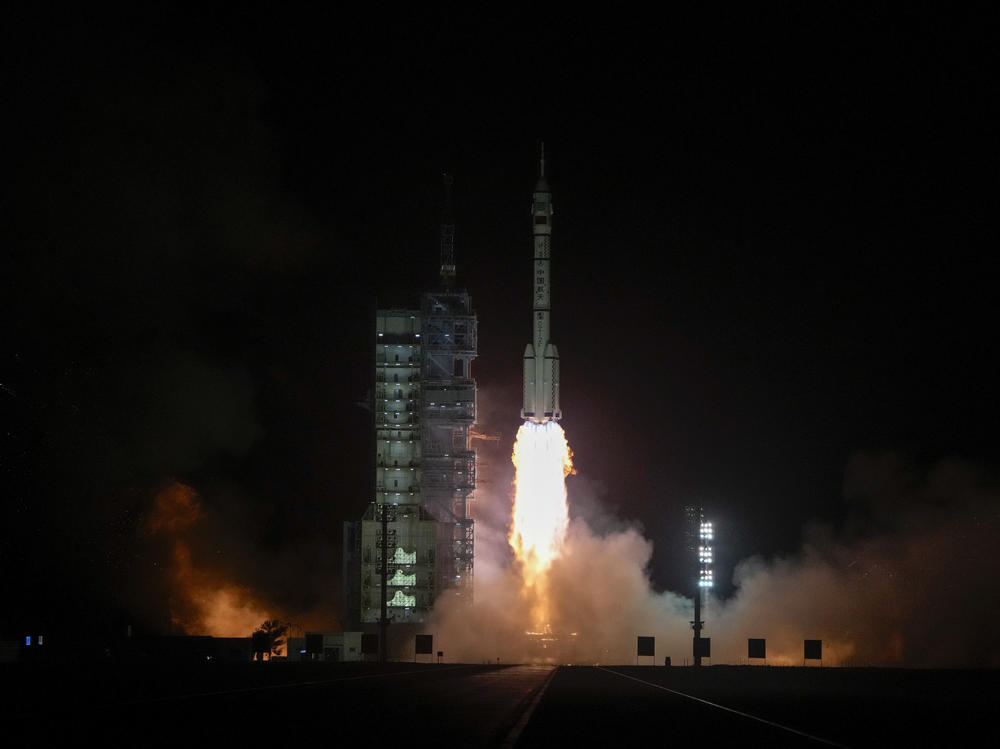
208, 579
202, 600
909, 582
913, 583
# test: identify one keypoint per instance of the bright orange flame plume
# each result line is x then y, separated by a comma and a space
542, 461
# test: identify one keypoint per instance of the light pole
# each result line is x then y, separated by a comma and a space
701, 537
706, 536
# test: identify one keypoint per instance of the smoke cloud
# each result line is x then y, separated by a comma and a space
201, 597
909, 581
210, 577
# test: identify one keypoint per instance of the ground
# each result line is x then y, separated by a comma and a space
470, 705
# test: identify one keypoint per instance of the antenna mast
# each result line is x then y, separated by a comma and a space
448, 236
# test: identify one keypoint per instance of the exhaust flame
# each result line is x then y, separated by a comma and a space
542, 461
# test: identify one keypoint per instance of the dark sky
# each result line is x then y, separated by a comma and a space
773, 250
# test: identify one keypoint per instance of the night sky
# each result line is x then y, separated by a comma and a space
772, 263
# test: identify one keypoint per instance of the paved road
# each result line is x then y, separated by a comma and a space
404, 705
401, 704
760, 706
609, 707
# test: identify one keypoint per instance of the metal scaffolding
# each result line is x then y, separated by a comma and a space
448, 393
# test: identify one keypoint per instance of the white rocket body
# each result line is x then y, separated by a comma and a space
541, 359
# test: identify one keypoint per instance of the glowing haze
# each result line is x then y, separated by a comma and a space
542, 461
202, 600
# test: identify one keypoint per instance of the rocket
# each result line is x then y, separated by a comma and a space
541, 360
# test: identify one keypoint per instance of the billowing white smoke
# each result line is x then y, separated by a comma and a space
912, 583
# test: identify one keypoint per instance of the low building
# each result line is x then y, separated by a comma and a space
325, 646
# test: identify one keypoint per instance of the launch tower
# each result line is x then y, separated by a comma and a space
424, 404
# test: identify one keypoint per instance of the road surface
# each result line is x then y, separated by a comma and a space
448, 705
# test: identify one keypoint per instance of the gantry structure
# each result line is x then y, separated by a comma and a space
415, 541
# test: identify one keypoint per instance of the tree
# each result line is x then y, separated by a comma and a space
269, 638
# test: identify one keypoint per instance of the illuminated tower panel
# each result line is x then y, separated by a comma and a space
424, 403
412, 538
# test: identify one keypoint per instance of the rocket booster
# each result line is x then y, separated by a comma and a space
541, 360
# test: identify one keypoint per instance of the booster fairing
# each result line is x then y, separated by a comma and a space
541, 359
